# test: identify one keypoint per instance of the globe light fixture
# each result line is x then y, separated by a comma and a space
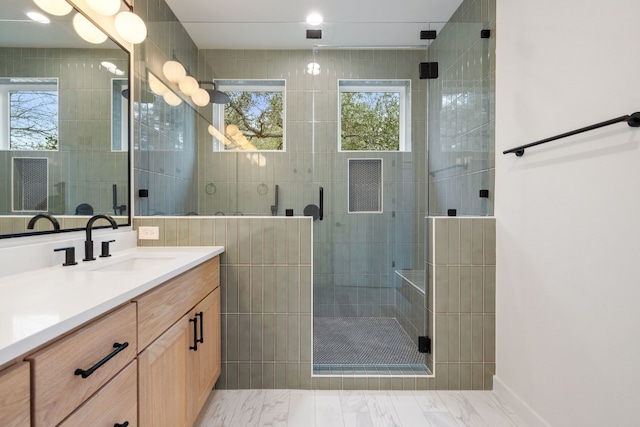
87, 30
54, 7
201, 97
174, 71
104, 7
131, 27
172, 99
188, 85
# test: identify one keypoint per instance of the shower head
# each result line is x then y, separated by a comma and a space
217, 97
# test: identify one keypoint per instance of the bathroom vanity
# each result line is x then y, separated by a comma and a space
133, 340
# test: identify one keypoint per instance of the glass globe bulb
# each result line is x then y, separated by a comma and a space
174, 71
172, 99
104, 7
157, 86
201, 97
54, 7
188, 85
87, 30
131, 27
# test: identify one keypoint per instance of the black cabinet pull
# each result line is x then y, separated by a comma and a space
125, 424
194, 347
201, 316
118, 348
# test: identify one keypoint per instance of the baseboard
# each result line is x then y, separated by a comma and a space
524, 411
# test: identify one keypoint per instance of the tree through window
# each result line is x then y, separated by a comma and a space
254, 119
374, 115
30, 114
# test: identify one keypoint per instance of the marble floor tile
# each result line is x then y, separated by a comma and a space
384, 408
461, 409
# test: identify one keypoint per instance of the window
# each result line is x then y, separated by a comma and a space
374, 115
119, 115
29, 114
254, 120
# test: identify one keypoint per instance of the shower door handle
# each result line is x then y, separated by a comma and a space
321, 204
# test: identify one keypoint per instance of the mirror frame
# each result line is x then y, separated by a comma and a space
127, 48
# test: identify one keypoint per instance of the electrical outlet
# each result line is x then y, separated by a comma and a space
148, 233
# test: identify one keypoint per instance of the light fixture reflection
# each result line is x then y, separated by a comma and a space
38, 17
200, 97
54, 7
172, 99
157, 86
87, 30
104, 7
131, 27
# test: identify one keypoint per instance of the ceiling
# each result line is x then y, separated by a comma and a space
17, 30
280, 24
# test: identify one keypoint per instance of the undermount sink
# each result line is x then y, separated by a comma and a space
133, 264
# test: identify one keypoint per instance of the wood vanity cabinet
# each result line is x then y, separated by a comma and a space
179, 367
63, 374
15, 396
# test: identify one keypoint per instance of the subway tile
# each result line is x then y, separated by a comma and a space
268, 337
293, 289
441, 240
490, 241
454, 290
477, 241
465, 289
453, 329
244, 376
268, 241
256, 241
244, 241
268, 376
280, 375
244, 337
269, 289
244, 289
489, 338
477, 289
465, 241
453, 241
256, 337
281, 289
281, 337
257, 289
293, 338
256, 376
477, 337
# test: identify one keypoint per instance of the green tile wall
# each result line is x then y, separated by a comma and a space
461, 301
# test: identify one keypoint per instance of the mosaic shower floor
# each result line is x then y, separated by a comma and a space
364, 346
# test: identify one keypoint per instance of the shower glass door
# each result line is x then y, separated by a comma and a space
369, 127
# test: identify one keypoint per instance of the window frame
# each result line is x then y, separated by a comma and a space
7, 86
248, 85
400, 86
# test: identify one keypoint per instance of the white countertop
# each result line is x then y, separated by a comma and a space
38, 306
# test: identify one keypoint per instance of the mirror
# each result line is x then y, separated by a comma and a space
64, 124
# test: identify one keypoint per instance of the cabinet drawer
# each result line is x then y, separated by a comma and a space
14, 396
57, 389
115, 403
163, 306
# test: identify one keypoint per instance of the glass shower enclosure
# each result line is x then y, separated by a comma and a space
368, 272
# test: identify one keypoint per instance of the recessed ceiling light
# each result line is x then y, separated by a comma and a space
314, 19
38, 17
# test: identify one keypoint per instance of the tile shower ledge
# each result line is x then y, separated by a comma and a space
38, 306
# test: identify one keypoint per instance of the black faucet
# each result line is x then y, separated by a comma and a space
32, 221
88, 244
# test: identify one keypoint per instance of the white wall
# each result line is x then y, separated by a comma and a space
568, 213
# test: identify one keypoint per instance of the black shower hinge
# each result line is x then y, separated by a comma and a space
428, 70
428, 35
424, 344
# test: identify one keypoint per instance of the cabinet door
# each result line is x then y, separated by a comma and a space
15, 396
163, 378
114, 404
204, 361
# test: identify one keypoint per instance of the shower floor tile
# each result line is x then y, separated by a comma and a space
364, 346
